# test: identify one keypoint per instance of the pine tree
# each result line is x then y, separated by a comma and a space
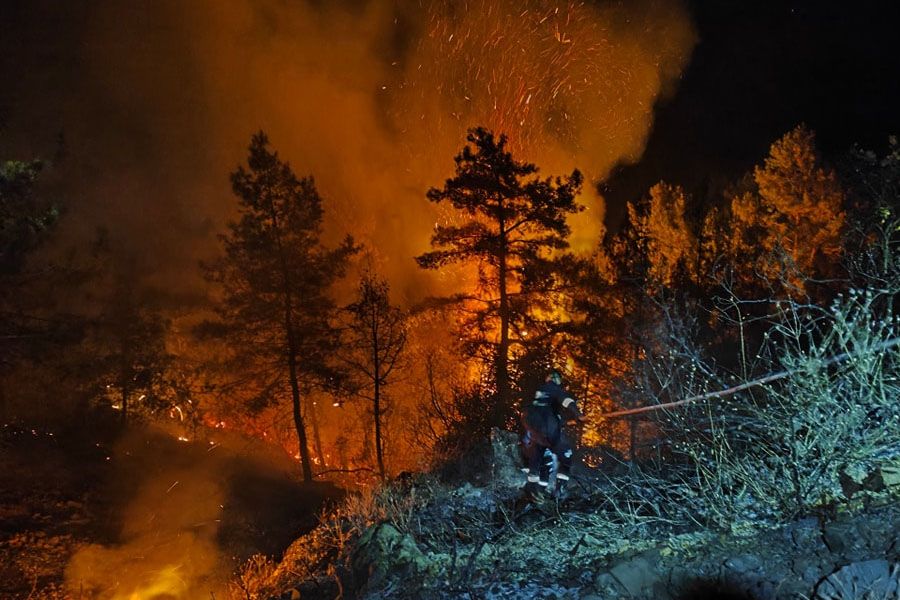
275, 276
26, 221
24, 217
511, 224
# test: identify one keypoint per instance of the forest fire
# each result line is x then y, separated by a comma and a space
304, 281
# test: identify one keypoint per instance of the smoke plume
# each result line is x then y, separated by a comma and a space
189, 514
372, 97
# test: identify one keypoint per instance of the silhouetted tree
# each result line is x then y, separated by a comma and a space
511, 224
275, 275
873, 232
123, 355
24, 218
25, 222
374, 341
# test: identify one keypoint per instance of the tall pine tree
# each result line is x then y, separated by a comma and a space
511, 224
275, 276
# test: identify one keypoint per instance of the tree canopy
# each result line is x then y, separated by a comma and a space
274, 276
509, 225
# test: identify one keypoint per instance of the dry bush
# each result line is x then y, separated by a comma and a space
326, 549
808, 440
253, 580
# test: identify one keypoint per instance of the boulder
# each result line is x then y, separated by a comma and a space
807, 569
384, 551
804, 534
743, 564
866, 579
607, 585
639, 574
840, 536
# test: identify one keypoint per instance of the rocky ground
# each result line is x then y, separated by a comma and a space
480, 540
429, 536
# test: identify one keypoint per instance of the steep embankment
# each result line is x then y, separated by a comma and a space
427, 539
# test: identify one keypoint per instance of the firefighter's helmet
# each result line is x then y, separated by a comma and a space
555, 375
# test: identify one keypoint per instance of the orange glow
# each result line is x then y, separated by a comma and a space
573, 84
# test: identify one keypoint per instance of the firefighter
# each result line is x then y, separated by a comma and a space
543, 420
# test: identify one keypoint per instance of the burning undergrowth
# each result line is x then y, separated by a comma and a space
145, 516
168, 540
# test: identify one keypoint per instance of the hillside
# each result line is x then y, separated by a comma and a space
428, 539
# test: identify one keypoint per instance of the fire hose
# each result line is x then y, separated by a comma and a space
886, 345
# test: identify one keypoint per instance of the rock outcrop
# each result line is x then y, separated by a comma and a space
383, 551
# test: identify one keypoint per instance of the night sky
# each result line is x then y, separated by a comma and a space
761, 68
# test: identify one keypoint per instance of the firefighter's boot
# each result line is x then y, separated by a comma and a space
536, 492
562, 483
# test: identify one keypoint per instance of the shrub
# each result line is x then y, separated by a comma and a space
809, 438
326, 550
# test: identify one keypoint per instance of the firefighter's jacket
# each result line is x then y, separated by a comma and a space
543, 417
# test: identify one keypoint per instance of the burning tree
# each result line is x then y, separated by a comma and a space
275, 276
513, 222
